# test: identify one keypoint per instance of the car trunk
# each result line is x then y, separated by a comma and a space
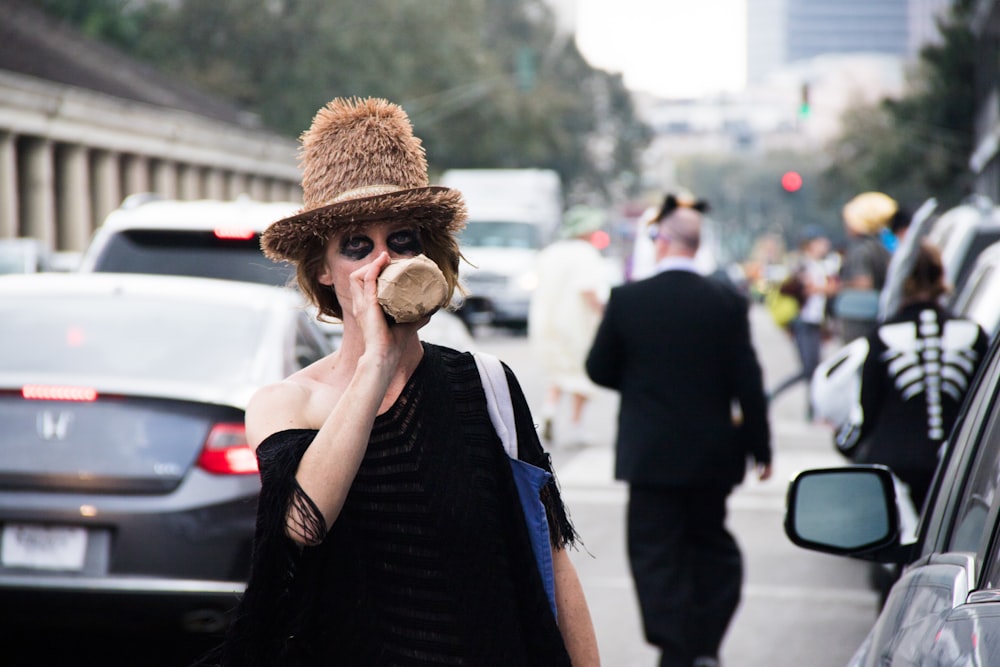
114, 444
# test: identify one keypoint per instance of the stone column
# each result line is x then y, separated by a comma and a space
257, 188
38, 213
290, 191
73, 205
8, 186
276, 190
236, 185
165, 179
215, 184
136, 174
107, 184
189, 182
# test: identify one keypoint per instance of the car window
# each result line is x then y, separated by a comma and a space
500, 234
980, 492
128, 335
191, 253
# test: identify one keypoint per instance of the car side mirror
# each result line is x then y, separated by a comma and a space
845, 511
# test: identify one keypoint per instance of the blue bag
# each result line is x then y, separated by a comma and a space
529, 479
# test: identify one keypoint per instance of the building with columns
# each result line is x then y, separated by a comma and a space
82, 127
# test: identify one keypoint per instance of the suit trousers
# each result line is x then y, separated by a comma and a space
687, 568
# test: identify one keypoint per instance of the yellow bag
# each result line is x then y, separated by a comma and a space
783, 308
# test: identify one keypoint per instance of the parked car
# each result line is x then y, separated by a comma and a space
979, 298
23, 255
212, 239
961, 234
127, 489
205, 238
943, 609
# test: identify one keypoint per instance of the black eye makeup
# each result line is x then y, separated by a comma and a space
356, 247
405, 242
399, 242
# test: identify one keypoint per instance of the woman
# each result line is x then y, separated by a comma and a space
566, 308
919, 367
389, 530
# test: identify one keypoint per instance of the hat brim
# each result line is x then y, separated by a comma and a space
431, 207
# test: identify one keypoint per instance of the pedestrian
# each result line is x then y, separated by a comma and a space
919, 366
677, 347
806, 329
389, 530
566, 308
865, 263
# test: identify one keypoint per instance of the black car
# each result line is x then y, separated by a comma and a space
127, 489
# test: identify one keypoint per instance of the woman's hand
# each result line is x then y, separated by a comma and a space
364, 303
384, 340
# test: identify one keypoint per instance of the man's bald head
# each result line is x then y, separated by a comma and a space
680, 231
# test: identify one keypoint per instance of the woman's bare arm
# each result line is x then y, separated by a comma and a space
574, 616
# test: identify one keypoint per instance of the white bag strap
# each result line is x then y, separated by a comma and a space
498, 400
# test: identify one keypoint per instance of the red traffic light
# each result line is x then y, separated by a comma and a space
791, 181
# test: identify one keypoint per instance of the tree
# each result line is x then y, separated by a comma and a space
487, 83
917, 146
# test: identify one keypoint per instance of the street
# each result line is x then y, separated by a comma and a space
799, 607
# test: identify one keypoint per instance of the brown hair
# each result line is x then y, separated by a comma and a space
926, 279
439, 245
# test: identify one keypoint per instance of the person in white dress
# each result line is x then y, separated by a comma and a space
566, 308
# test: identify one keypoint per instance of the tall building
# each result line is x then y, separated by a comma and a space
780, 32
766, 38
819, 27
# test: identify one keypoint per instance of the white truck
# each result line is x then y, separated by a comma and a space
513, 214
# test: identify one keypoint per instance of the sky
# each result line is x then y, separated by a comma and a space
672, 48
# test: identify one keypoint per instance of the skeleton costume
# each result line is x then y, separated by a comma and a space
919, 367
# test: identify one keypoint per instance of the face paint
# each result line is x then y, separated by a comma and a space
404, 242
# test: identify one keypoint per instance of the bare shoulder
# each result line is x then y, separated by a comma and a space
276, 407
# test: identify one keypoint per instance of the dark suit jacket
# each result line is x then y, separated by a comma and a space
677, 347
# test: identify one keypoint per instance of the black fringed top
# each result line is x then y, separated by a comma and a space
429, 562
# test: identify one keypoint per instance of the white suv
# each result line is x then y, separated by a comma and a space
210, 239
213, 239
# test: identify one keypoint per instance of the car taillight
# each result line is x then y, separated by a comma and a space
226, 451
48, 392
239, 233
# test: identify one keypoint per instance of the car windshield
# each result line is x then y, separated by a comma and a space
500, 234
191, 253
129, 335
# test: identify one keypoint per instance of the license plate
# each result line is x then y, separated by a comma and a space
43, 547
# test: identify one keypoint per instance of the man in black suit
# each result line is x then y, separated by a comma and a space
677, 347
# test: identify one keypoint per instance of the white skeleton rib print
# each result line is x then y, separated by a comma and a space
924, 358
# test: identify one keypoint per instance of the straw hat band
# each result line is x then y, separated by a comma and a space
365, 191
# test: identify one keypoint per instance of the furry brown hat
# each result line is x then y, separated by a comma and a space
361, 163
